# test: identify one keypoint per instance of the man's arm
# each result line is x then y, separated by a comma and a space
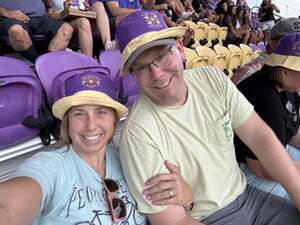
265, 145
166, 217
116, 10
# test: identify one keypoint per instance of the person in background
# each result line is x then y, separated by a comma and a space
273, 91
280, 29
190, 118
266, 15
20, 20
81, 181
80, 25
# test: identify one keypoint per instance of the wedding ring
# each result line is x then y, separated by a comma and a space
171, 193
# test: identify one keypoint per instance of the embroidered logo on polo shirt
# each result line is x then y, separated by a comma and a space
227, 130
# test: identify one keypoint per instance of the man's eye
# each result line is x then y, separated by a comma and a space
140, 68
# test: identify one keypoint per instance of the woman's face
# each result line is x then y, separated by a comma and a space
91, 127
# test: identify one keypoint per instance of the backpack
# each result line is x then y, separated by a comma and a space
20, 96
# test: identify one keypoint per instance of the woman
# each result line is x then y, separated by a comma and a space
274, 93
266, 15
81, 182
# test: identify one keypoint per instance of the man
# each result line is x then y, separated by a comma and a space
188, 118
281, 28
19, 20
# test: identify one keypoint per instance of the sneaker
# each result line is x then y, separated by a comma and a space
110, 45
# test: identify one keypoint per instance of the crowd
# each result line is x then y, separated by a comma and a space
196, 147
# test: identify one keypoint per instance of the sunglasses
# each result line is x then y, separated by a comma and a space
117, 206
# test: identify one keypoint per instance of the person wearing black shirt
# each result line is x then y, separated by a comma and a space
274, 93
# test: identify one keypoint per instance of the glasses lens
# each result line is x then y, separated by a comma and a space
119, 208
111, 185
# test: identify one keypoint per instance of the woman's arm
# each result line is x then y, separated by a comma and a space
20, 200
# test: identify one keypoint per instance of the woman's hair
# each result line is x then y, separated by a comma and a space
275, 74
65, 138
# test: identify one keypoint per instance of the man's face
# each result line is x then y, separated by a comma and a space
159, 72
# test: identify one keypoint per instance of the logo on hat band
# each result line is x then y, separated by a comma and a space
90, 81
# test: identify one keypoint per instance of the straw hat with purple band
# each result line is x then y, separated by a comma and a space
88, 89
142, 30
287, 52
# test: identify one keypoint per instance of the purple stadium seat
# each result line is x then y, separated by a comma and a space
49, 65
129, 90
254, 47
21, 96
262, 46
112, 60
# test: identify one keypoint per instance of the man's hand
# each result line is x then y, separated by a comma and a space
18, 15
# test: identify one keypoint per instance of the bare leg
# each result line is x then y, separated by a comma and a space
85, 37
19, 38
62, 38
102, 22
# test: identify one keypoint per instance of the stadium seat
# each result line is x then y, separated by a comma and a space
235, 58
205, 56
190, 55
247, 54
222, 35
212, 34
112, 60
221, 58
21, 96
49, 65
201, 34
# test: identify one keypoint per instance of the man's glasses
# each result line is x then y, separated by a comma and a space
117, 206
163, 58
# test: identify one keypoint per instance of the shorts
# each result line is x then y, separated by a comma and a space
41, 25
267, 25
255, 207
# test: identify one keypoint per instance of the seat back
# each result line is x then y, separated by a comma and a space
205, 56
128, 89
222, 57
200, 35
21, 96
190, 55
49, 65
235, 58
112, 60
222, 35
247, 54
212, 34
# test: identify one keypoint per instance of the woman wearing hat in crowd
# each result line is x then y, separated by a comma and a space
81, 182
274, 93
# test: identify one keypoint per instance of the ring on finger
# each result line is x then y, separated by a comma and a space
171, 193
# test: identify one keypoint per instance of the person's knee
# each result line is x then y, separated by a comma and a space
98, 6
66, 31
19, 38
84, 25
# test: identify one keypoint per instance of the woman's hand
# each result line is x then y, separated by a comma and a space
168, 188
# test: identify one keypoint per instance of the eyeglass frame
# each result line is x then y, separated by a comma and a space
110, 196
157, 62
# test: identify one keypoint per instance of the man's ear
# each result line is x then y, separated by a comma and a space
179, 46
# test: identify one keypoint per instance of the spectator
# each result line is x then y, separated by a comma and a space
81, 182
20, 20
190, 117
280, 29
273, 93
236, 33
266, 15
80, 25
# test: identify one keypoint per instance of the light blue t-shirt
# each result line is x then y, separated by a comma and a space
73, 192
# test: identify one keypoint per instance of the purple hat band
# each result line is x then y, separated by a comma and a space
90, 81
289, 45
136, 24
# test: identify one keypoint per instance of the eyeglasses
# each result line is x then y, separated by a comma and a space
162, 59
117, 206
